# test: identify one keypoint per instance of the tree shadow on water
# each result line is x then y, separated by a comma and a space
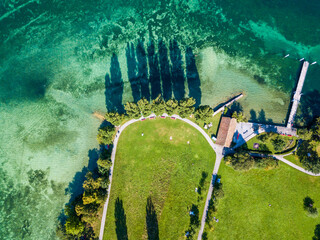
132, 74
253, 116
114, 86
309, 107
151, 221
165, 72
193, 77
75, 187
154, 74
177, 71
142, 75
120, 221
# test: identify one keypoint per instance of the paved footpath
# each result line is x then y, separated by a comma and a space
282, 159
113, 154
219, 155
218, 149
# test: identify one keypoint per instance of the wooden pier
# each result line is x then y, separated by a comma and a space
297, 94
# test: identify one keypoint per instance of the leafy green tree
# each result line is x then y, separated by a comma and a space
105, 135
158, 106
89, 197
239, 116
203, 113
186, 107
316, 128
144, 106
74, 226
104, 166
114, 118
90, 183
308, 157
88, 212
172, 106
132, 110
305, 134
263, 137
240, 161
278, 143
308, 205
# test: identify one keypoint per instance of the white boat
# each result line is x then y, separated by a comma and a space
313, 63
286, 55
301, 59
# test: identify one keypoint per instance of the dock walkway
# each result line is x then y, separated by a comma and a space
297, 94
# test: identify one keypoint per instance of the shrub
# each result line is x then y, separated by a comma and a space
278, 143
263, 137
240, 161
308, 205
244, 161
267, 163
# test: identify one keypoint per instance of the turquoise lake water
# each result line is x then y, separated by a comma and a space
63, 60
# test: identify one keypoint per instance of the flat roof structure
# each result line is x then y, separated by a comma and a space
226, 130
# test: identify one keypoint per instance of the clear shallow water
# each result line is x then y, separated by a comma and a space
54, 60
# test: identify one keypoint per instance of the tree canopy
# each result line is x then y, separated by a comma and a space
105, 135
114, 118
186, 107
203, 113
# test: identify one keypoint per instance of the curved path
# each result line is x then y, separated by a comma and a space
282, 159
113, 154
219, 150
219, 155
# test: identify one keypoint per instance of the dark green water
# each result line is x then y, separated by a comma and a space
57, 67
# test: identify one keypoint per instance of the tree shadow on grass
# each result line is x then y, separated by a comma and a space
316, 233
151, 221
120, 220
204, 176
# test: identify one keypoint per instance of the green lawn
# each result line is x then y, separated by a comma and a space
166, 171
244, 212
294, 159
267, 145
215, 124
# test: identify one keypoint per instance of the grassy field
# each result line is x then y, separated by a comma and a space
154, 180
294, 159
244, 212
267, 145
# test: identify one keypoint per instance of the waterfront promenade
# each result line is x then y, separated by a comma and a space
297, 94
